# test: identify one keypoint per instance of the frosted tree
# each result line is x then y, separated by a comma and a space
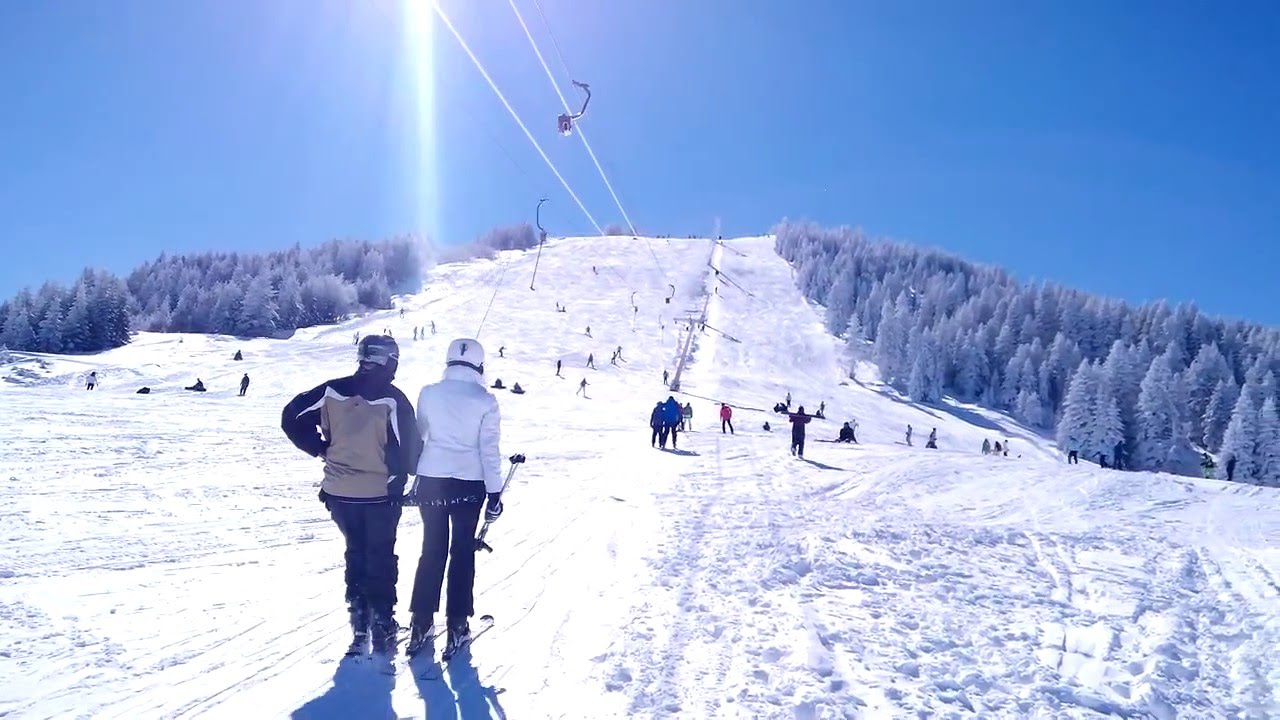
1157, 418
77, 326
925, 382
289, 301
258, 316
1202, 378
1075, 427
1267, 447
49, 333
1106, 435
1240, 440
1030, 409
1217, 414
971, 369
18, 334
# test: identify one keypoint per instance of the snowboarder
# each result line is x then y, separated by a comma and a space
656, 425
591, 361
798, 420
726, 418
198, 387
671, 413
92, 381
459, 474
244, 384
909, 438
237, 357
502, 351
582, 388
558, 369
932, 443
686, 417
986, 446
1073, 457
846, 434
355, 425
1231, 469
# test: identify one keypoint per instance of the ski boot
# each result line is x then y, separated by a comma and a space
359, 629
421, 633
382, 631
459, 637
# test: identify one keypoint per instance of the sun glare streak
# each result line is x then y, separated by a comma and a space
419, 43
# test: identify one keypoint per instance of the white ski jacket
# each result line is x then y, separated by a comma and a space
458, 420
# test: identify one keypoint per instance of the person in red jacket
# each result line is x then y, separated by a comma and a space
726, 418
798, 421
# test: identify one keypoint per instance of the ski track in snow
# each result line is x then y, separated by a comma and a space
166, 556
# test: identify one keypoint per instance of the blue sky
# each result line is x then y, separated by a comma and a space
1127, 148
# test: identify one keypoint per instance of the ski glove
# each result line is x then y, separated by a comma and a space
493, 509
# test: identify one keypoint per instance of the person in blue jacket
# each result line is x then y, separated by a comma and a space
659, 430
671, 413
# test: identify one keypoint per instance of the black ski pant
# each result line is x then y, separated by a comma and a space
450, 514
370, 532
797, 443
726, 422
658, 435
673, 429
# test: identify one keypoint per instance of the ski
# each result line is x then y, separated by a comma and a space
482, 626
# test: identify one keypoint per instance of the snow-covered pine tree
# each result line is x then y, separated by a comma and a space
1157, 417
18, 333
1202, 378
1107, 430
1267, 448
1075, 427
1241, 438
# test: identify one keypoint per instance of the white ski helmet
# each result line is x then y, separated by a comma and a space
466, 352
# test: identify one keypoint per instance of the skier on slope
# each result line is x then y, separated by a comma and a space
582, 388
459, 473
671, 414
591, 361
244, 384
726, 418
361, 425
932, 443
92, 381
798, 420
655, 423
558, 369
908, 436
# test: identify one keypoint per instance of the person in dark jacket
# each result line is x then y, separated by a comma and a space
198, 387
846, 434
656, 424
1231, 469
671, 414
244, 384
798, 420
362, 426
238, 356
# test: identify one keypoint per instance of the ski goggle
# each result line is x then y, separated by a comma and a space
377, 354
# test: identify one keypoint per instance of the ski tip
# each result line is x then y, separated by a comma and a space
486, 618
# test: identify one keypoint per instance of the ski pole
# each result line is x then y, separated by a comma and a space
516, 461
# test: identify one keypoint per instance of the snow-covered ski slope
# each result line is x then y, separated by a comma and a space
165, 555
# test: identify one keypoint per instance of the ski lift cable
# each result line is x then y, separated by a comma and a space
563, 101
492, 85
496, 287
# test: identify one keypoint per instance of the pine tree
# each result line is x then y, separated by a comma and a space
258, 316
1202, 378
1074, 429
1267, 449
18, 334
1107, 432
1240, 440
1157, 417
1217, 414
49, 334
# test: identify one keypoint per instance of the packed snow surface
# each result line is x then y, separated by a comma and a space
165, 555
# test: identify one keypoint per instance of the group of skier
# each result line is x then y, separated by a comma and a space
666, 420
371, 441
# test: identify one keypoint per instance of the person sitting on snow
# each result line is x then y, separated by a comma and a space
517, 389
198, 387
497, 384
846, 434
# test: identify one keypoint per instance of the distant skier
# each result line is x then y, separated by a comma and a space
433, 327
1102, 461
497, 384
517, 390
237, 357
998, 449
502, 351
582, 388
788, 403
91, 382
932, 443
798, 420
558, 362
909, 437
846, 434
591, 361
671, 413
588, 331
1117, 454
986, 446
686, 417
822, 410
401, 313
415, 333
244, 384
355, 338
619, 353
726, 418
459, 473
197, 387
665, 376
361, 425
766, 427
1073, 457
1231, 469
656, 425
1006, 447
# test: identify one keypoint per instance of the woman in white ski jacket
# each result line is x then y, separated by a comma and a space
459, 469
